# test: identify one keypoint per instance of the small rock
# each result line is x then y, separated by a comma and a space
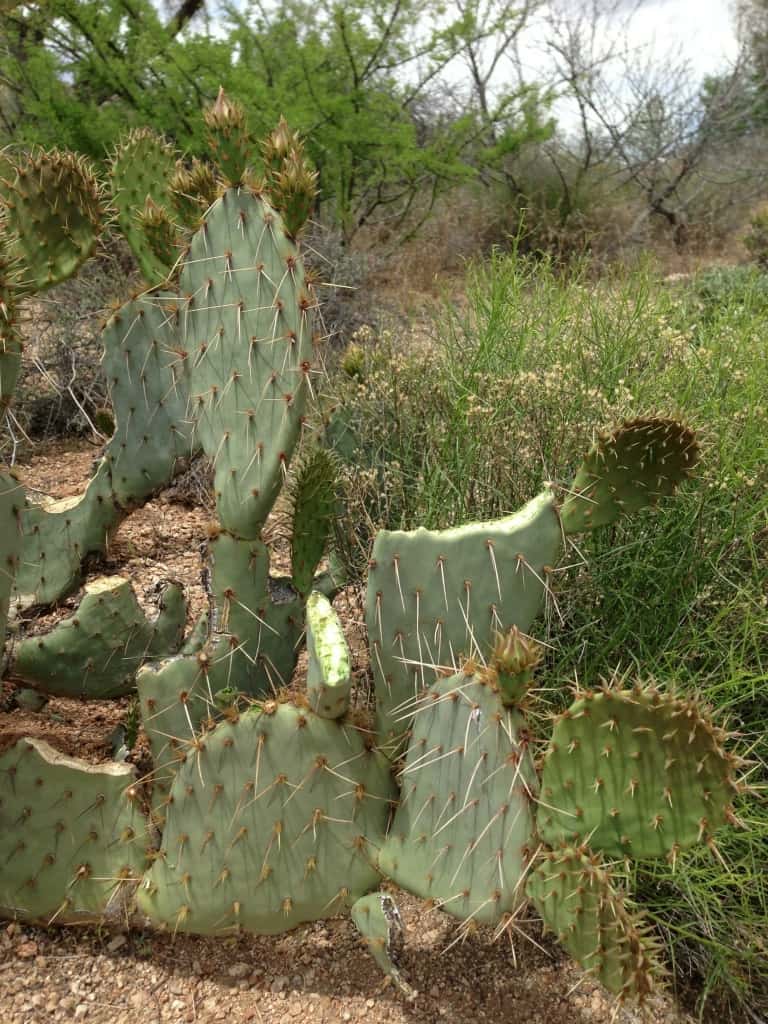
81, 1010
116, 943
26, 950
278, 984
178, 1004
239, 970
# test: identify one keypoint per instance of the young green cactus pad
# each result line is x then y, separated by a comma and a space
97, 651
435, 596
161, 235
293, 191
256, 620
512, 662
378, 920
636, 773
72, 835
141, 167
273, 819
247, 324
58, 534
192, 189
627, 469
329, 674
313, 496
578, 901
227, 130
11, 504
54, 213
463, 832
144, 364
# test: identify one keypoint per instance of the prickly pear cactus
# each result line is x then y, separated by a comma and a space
228, 138
273, 819
11, 503
141, 167
436, 597
10, 341
464, 829
627, 469
53, 210
578, 900
378, 920
72, 836
96, 652
249, 340
637, 773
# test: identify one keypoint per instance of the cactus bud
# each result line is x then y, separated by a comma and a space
294, 190
228, 136
515, 656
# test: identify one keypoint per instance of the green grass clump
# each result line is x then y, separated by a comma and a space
505, 395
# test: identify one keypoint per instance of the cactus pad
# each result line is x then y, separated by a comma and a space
58, 534
256, 620
627, 469
144, 364
329, 678
141, 167
10, 341
313, 496
273, 819
228, 137
463, 831
578, 901
97, 651
247, 321
635, 773
11, 504
72, 835
435, 596
54, 213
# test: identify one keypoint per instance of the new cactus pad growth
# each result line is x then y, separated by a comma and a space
273, 819
228, 138
96, 652
579, 902
314, 500
512, 663
329, 673
637, 773
463, 831
53, 212
72, 836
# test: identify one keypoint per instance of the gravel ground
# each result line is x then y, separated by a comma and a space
317, 973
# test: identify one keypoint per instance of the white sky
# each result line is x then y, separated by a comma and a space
703, 29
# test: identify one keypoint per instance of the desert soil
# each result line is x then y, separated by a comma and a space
316, 973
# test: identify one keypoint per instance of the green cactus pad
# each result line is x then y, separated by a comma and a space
329, 674
54, 213
144, 364
256, 620
72, 836
141, 167
635, 773
378, 920
313, 496
11, 504
161, 235
463, 831
175, 701
627, 469
273, 819
97, 651
227, 131
435, 596
579, 901
58, 534
247, 321
293, 191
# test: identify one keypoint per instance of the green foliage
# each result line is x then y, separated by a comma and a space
356, 85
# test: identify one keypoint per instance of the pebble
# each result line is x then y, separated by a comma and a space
239, 970
117, 943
